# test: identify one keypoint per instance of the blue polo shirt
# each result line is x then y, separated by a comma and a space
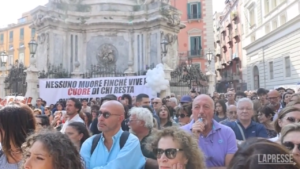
253, 130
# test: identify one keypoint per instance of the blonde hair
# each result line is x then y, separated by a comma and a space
281, 115
187, 143
289, 128
39, 111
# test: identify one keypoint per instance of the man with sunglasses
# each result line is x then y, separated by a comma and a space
217, 141
108, 153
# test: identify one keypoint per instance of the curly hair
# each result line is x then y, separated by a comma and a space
60, 148
189, 145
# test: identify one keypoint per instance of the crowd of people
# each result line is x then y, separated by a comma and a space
195, 131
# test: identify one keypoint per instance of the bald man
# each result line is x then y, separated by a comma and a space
212, 136
274, 101
113, 148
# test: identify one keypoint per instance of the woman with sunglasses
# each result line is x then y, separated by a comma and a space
286, 116
184, 114
290, 138
176, 149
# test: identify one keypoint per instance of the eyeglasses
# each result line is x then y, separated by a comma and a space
130, 121
170, 153
293, 120
290, 145
232, 112
106, 115
155, 102
181, 115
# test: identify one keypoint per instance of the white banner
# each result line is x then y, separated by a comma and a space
52, 90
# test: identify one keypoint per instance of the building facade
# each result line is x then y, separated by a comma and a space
196, 38
14, 40
228, 48
272, 42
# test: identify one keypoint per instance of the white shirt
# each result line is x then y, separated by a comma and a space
76, 118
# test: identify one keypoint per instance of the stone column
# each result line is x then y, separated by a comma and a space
32, 80
77, 74
2, 84
130, 70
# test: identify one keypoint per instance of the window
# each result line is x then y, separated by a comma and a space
21, 58
282, 19
32, 32
274, 24
11, 36
21, 45
271, 70
194, 10
197, 65
1, 38
22, 34
287, 64
267, 29
252, 17
253, 38
195, 46
22, 20
274, 4
267, 6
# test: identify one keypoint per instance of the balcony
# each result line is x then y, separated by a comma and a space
195, 53
236, 36
230, 41
194, 16
218, 51
223, 30
224, 47
234, 15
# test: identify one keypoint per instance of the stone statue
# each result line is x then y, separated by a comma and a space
106, 54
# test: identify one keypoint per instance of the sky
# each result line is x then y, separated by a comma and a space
11, 10
218, 5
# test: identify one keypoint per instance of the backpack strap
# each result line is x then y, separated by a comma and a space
122, 142
123, 139
95, 142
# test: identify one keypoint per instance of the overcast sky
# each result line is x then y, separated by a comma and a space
11, 10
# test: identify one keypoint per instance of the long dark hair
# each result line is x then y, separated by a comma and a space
81, 128
222, 103
16, 123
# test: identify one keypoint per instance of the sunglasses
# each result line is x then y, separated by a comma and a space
290, 146
170, 153
106, 115
155, 102
181, 115
293, 120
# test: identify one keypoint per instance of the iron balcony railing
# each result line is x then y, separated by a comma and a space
194, 16
195, 53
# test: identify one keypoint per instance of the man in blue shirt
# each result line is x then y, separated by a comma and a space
244, 127
108, 154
